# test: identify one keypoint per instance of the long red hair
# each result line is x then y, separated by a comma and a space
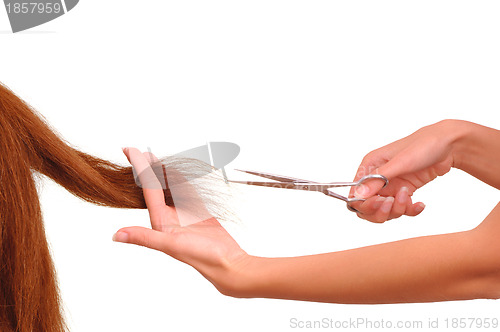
29, 297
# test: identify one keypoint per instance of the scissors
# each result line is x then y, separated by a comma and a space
287, 182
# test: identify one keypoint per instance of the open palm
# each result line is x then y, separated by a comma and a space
196, 239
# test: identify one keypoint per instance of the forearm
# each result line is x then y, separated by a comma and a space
476, 151
433, 268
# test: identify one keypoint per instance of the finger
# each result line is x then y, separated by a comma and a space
169, 216
158, 168
400, 203
415, 209
363, 170
407, 161
368, 188
142, 236
189, 204
382, 214
369, 206
150, 157
153, 192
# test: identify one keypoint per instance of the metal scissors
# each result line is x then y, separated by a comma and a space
287, 182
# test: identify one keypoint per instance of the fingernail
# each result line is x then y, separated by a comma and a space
125, 150
387, 205
378, 202
420, 207
402, 195
120, 237
360, 191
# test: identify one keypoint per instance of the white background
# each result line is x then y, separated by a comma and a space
306, 88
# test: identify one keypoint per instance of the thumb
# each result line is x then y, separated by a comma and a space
400, 164
369, 187
141, 236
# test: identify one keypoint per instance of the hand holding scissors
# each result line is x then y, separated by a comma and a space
287, 182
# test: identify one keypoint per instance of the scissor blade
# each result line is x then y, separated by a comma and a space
275, 177
307, 186
283, 185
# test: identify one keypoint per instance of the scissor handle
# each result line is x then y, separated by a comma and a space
363, 179
373, 176
353, 184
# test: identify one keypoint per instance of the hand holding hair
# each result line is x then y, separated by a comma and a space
203, 244
29, 296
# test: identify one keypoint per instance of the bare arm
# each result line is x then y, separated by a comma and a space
477, 151
463, 265
456, 266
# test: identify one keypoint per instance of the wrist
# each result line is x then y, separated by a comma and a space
242, 277
459, 133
